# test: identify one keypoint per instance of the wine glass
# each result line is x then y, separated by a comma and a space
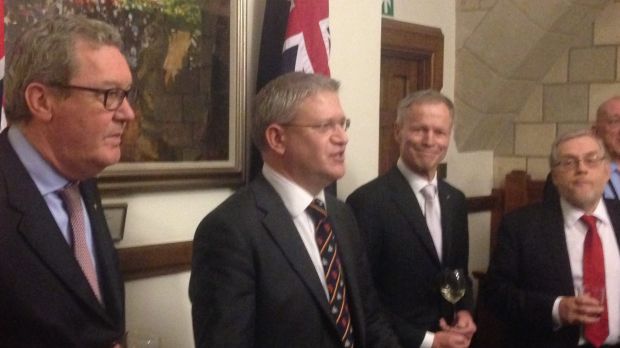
452, 285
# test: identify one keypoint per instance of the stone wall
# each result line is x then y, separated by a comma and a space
566, 99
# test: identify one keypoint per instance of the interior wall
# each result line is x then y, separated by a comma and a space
160, 305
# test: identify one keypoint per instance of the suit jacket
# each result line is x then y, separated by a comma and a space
253, 283
529, 269
45, 299
404, 261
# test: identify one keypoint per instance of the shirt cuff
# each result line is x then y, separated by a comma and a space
555, 314
427, 342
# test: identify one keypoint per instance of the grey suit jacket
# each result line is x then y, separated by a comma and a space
403, 258
529, 269
45, 299
254, 285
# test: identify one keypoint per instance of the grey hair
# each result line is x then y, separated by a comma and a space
277, 102
45, 53
554, 156
427, 96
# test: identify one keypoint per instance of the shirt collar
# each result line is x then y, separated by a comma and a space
416, 181
572, 214
295, 198
45, 177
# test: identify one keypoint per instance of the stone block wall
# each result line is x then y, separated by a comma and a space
565, 99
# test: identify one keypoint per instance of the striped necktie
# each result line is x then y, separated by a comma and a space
334, 274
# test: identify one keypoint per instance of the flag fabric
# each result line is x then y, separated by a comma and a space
295, 37
2, 117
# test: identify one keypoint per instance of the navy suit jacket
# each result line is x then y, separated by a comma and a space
404, 262
254, 285
529, 269
45, 299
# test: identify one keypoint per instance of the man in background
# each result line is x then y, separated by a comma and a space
607, 126
416, 226
66, 104
554, 275
280, 263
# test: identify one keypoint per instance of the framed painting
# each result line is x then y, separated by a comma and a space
188, 60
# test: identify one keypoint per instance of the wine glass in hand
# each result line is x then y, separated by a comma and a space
452, 285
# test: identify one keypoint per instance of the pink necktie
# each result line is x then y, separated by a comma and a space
73, 202
433, 220
594, 278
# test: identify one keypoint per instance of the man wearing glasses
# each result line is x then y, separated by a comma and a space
67, 84
554, 277
280, 263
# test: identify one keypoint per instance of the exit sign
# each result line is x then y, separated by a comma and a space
387, 7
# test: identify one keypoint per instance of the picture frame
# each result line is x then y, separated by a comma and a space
189, 63
115, 216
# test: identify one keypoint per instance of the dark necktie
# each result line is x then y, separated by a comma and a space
73, 204
594, 278
334, 274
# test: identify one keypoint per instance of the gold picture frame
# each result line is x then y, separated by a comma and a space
190, 129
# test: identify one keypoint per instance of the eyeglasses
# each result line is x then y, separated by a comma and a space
112, 97
324, 127
571, 163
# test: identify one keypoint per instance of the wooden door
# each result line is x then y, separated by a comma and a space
411, 59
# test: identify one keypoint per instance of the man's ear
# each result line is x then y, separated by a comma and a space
39, 99
275, 137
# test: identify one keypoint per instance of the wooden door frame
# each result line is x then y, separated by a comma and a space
414, 41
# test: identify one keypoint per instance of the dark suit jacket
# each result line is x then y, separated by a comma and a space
254, 285
404, 262
529, 269
45, 299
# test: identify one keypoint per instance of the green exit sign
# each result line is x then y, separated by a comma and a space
387, 7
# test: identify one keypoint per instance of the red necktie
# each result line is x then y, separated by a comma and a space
334, 274
594, 278
73, 204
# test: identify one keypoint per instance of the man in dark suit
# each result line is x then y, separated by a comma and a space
607, 126
548, 252
268, 272
60, 285
407, 250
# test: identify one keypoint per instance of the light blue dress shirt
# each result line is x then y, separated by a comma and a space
612, 189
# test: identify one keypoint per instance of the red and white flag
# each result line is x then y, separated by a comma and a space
307, 41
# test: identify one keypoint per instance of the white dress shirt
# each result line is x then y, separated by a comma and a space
575, 234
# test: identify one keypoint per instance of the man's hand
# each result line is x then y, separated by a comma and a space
457, 336
447, 339
464, 324
578, 310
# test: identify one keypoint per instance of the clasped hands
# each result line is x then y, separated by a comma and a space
457, 336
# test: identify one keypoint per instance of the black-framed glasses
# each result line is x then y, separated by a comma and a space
326, 126
112, 97
571, 163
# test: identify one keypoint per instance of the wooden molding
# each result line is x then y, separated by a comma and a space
155, 260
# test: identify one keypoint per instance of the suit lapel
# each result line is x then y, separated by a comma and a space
107, 263
39, 229
445, 202
554, 235
613, 210
406, 201
280, 226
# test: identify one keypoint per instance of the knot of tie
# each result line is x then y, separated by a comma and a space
429, 191
589, 220
317, 210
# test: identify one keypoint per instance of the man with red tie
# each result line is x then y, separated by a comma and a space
554, 277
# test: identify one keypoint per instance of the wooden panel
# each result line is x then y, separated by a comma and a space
155, 260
